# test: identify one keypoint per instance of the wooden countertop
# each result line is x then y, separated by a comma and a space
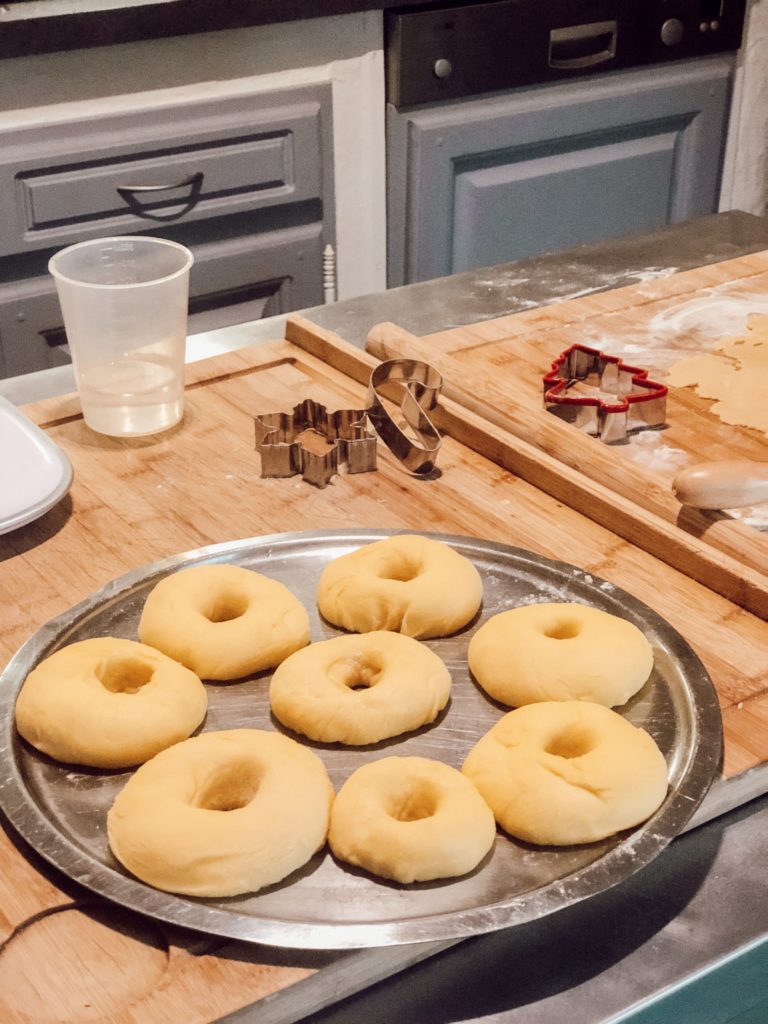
64, 958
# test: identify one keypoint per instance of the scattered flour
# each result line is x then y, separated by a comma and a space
604, 282
755, 516
648, 449
612, 345
698, 324
547, 592
712, 315
653, 273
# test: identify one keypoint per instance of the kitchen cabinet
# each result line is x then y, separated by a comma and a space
490, 179
233, 281
245, 181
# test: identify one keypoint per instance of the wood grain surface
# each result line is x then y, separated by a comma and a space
495, 369
64, 957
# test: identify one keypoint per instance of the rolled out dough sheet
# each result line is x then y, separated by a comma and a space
735, 375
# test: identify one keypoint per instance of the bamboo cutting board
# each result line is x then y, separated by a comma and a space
66, 957
495, 368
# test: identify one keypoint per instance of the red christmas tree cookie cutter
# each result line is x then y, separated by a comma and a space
602, 395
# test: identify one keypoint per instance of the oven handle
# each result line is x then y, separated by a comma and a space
563, 42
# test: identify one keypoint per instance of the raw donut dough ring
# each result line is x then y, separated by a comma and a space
222, 814
360, 689
108, 703
559, 651
406, 583
223, 621
561, 773
410, 819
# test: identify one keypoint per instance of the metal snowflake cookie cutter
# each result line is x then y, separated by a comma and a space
602, 395
314, 442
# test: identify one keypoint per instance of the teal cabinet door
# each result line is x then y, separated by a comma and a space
479, 182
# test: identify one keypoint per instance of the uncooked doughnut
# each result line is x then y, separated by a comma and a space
566, 772
223, 621
222, 814
108, 703
559, 651
360, 689
410, 819
406, 583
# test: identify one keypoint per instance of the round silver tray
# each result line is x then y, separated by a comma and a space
61, 810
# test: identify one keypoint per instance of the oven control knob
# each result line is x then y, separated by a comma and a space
672, 31
443, 68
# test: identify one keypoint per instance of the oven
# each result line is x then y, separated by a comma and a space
518, 127
451, 52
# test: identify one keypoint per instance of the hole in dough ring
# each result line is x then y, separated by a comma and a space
108, 703
410, 819
406, 583
222, 814
223, 621
360, 689
567, 772
559, 651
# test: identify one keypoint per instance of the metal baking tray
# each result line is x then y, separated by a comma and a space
61, 810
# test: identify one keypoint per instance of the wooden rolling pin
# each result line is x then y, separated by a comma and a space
728, 484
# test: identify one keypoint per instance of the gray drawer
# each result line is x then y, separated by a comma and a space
31, 335
232, 281
135, 172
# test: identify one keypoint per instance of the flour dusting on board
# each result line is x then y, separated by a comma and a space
648, 449
755, 516
713, 315
694, 325
605, 281
653, 273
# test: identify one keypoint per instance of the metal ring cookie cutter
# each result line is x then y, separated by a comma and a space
314, 442
607, 397
418, 385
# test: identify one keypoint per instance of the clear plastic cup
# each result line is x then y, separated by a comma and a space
124, 301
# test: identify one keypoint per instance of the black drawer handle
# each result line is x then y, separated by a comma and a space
194, 181
582, 46
54, 337
135, 195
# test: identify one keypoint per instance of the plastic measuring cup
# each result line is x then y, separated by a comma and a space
124, 301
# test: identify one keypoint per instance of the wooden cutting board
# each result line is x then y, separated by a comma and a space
495, 368
65, 956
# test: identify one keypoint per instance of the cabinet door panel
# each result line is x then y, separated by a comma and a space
256, 276
160, 185
231, 282
175, 165
31, 335
568, 197
483, 181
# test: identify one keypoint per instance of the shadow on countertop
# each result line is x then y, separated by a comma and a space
585, 964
